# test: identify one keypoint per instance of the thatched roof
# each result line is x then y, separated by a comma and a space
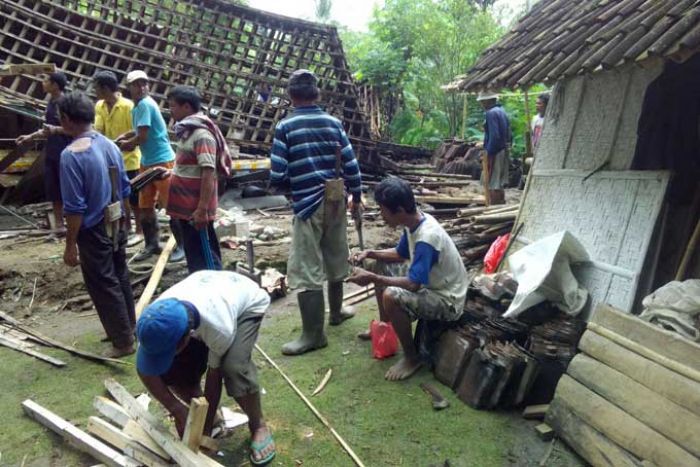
562, 38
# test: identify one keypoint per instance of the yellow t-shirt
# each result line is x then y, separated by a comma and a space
115, 123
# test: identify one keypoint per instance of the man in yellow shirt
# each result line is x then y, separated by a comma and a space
112, 119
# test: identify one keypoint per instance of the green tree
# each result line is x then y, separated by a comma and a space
322, 9
413, 47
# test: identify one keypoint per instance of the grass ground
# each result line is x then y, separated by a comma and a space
387, 424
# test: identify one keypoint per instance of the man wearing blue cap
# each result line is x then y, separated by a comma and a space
224, 311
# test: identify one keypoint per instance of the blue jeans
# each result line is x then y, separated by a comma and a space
201, 247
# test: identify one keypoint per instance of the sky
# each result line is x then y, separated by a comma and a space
355, 14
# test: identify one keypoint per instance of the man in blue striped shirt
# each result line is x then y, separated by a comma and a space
304, 152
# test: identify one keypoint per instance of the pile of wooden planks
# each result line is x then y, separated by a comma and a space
129, 435
632, 397
476, 228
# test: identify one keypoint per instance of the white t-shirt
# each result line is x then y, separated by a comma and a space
220, 297
447, 277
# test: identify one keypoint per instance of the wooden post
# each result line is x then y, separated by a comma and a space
196, 419
155, 276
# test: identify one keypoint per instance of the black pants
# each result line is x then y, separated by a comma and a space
107, 281
201, 247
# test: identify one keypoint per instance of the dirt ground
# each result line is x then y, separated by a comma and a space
36, 287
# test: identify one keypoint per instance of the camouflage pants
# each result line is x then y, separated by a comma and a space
422, 304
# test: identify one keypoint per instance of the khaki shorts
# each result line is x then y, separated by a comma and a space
319, 250
423, 304
240, 373
155, 192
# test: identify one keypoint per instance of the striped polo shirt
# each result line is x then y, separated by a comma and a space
303, 155
195, 152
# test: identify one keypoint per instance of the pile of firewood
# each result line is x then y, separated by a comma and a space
475, 229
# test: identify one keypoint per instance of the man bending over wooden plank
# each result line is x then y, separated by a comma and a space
224, 310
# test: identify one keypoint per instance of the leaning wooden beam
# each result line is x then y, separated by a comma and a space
174, 447
23, 347
50, 342
658, 413
588, 442
665, 343
157, 273
313, 409
76, 437
620, 427
667, 383
196, 418
112, 435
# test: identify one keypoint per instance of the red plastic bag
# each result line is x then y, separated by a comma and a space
495, 253
385, 343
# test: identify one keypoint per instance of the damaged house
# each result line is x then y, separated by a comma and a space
618, 167
239, 57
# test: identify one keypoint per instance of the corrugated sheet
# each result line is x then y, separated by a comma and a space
561, 38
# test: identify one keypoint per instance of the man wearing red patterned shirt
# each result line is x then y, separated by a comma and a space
192, 200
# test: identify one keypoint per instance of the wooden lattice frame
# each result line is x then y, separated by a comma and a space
223, 49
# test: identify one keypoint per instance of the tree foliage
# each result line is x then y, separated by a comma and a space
413, 47
322, 9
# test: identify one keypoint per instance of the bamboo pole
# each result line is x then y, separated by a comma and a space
155, 276
313, 409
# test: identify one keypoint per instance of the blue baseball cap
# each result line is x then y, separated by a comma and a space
158, 330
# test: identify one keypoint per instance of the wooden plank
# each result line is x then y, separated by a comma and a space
157, 273
664, 416
196, 418
112, 435
135, 431
663, 342
23, 347
175, 448
462, 201
620, 427
59, 345
535, 412
27, 69
76, 437
544, 432
111, 410
667, 383
588, 442
646, 352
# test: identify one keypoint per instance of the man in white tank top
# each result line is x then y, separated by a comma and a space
435, 286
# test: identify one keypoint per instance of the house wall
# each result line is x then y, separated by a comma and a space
593, 119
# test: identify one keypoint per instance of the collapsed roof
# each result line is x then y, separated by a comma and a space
228, 51
562, 38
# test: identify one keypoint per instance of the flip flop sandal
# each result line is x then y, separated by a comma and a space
259, 447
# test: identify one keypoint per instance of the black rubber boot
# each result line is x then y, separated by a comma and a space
151, 238
312, 311
178, 254
335, 303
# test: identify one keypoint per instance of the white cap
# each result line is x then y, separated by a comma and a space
136, 75
486, 96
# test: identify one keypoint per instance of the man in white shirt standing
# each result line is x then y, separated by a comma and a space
224, 310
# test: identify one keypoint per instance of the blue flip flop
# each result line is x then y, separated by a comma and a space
259, 447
